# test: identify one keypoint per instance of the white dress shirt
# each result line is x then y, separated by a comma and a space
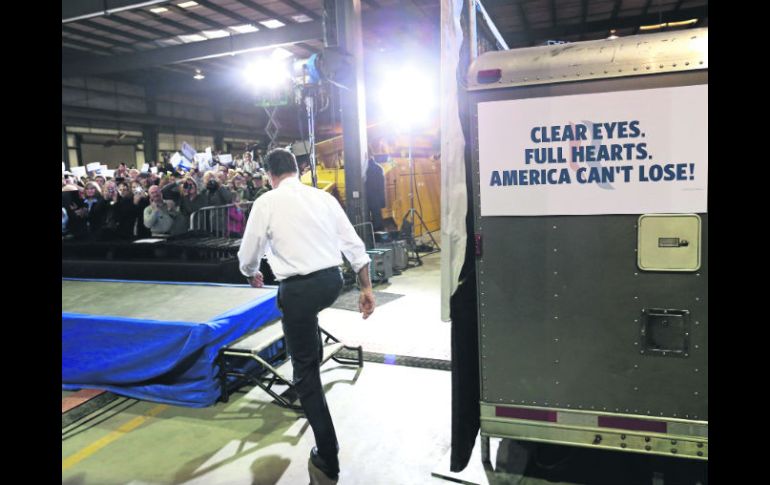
302, 229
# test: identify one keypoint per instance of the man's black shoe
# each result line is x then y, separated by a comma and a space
320, 472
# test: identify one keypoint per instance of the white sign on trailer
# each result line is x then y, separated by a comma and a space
627, 152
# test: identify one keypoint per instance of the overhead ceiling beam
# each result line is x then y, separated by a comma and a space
524, 22
91, 36
114, 31
265, 11
227, 13
517, 38
645, 10
583, 15
74, 10
553, 13
165, 21
234, 44
302, 9
188, 13
160, 34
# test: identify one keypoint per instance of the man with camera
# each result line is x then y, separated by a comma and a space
286, 219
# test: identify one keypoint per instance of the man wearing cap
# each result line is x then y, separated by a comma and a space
285, 219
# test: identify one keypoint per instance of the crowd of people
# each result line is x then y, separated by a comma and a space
132, 204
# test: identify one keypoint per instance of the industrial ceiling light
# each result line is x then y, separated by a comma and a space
158, 10
215, 34
187, 4
272, 23
244, 29
198, 75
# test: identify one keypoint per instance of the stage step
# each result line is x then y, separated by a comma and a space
251, 346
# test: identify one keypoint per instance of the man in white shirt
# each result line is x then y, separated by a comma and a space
306, 231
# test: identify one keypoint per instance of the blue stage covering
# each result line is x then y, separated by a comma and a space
155, 359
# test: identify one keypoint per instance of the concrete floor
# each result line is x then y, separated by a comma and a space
393, 422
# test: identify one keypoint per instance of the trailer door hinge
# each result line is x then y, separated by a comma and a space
477, 242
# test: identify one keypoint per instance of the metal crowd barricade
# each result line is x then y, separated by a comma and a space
214, 219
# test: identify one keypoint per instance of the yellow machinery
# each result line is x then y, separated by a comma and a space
427, 171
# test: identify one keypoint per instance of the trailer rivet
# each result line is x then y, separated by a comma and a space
697, 346
673, 450
556, 295
636, 298
673, 442
557, 383
700, 453
636, 274
556, 361
700, 445
648, 447
623, 445
696, 370
687, 63
554, 227
556, 340
697, 298
636, 389
647, 438
636, 366
555, 272
695, 393
622, 436
661, 66
555, 250
636, 343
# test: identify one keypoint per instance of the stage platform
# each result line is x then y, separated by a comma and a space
156, 341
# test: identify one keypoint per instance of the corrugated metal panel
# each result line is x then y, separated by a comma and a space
636, 55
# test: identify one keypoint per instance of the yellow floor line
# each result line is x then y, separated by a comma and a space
106, 440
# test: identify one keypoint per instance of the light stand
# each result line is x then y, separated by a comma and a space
415, 213
310, 108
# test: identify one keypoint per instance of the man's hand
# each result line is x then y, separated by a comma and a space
257, 281
366, 303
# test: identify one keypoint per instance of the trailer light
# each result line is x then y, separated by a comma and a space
489, 76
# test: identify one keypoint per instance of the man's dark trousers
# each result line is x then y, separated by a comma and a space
300, 299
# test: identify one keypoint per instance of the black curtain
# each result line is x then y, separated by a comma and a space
463, 305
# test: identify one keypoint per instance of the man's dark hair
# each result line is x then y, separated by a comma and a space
281, 161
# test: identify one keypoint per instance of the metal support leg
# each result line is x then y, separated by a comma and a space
485, 458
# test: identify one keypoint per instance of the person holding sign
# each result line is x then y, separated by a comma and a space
285, 219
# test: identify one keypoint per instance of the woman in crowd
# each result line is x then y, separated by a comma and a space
124, 212
94, 211
235, 217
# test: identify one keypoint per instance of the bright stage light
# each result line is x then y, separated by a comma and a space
407, 96
267, 73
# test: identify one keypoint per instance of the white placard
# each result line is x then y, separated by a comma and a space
93, 167
108, 173
145, 168
629, 152
176, 158
153, 169
62, 168
78, 171
102, 168
226, 159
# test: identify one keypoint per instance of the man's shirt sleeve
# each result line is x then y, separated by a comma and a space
254, 240
351, 245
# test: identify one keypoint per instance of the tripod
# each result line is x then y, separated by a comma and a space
412, 243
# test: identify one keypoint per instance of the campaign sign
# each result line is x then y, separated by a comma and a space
625, 152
